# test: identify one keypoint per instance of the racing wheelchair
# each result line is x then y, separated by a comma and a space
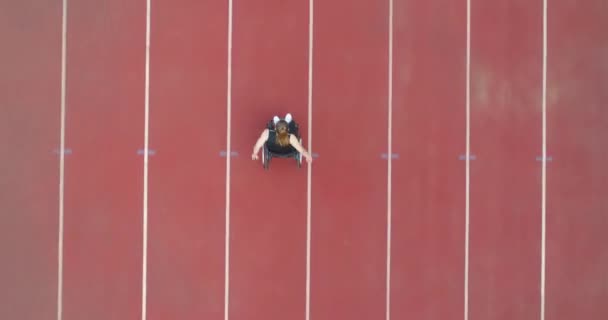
267, 154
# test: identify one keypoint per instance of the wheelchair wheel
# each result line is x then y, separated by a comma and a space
265, 158
299, 156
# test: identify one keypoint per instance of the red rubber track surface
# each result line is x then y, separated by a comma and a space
268, 208
349, 181
30, 90
506, 132
577, 178
428, 178
187, 177
207, 94
104, 174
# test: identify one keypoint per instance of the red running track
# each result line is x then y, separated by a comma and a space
186, 175
103, 249
268, 209
104, 173
577, 127
349, 180
506, 131
30, 95
429, 120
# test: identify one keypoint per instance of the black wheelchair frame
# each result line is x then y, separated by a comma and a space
267, 155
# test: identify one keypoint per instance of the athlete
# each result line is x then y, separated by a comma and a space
279, 140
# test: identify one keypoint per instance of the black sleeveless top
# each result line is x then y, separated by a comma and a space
275, 147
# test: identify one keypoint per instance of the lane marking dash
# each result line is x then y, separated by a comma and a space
469, 157
223, 153
393, 156
151, 152
62, 151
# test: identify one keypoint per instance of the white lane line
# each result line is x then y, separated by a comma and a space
389, 217
144, 282
468, 162
228, 149
64, 31
309, 167
544, 168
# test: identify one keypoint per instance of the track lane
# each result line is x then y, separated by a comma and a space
349, 179
104, 173
268, 208
187, 132
506, 136
577, 177
428, 177
30, 87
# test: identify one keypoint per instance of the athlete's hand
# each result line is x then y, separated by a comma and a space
254, 156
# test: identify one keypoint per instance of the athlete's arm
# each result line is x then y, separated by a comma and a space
296, 144
256, 148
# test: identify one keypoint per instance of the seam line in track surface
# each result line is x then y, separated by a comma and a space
467, 161
64, 12
309, 167
144, 290
389, 167
228, 150
544, 166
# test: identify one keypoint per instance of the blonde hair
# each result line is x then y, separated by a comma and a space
282, 137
